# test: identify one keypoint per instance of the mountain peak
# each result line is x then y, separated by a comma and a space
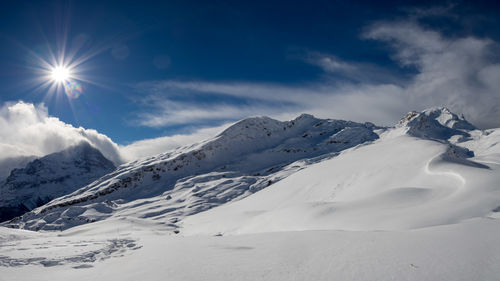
305, 116
449, 119
51, 176
81, 149
436, 122
263, 125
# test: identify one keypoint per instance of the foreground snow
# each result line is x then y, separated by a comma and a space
129, 250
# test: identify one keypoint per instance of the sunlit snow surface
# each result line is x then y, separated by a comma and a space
393, 184
422, 202
127, 250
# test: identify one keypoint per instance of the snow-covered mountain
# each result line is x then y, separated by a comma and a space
399, 182
423, 171
247, 157
435, 123
49, 177
417, 201
433, 168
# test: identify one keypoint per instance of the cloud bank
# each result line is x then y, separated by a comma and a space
461, 73
28, 130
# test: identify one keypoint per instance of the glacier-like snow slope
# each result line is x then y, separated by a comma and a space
49, 177
412, 177
247, 157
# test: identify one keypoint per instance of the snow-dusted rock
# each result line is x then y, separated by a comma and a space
50, 177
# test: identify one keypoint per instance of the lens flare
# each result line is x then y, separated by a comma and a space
61, 67
72, 89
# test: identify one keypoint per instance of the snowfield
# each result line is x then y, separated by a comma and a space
128, 250
318, 200
394, 184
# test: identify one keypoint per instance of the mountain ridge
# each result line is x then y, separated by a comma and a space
247, 157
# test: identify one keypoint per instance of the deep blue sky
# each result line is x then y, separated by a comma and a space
214, 41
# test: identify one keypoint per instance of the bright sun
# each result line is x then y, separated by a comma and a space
60, 74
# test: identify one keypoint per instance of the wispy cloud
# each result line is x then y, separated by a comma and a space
459, 73
337, 69
456, 72
206, 102
152, 147
170, 113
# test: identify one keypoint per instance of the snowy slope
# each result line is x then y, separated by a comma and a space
50, 177
414, 176
247, 157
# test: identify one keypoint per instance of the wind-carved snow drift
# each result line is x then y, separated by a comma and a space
50, 177
247, 157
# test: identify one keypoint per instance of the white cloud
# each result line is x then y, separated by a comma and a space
165, 112
259, 91
358, 72
28, 130
455, 72
379, 103
460, 73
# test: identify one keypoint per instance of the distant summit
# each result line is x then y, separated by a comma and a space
49, 177
435, 123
